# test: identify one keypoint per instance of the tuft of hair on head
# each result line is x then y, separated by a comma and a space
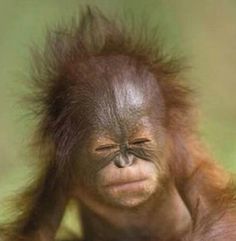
54, 73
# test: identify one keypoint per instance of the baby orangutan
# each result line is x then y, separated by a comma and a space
117, 134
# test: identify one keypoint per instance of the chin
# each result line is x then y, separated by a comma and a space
130, 201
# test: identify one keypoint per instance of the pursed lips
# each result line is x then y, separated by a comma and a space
127, 185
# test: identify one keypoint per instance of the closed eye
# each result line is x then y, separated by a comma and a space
106, 148
139, 141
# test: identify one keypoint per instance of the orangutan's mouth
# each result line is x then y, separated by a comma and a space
132, 185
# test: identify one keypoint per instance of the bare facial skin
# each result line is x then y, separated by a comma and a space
128, 179
126, 149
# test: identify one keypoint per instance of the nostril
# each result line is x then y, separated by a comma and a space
119, 164
124, 161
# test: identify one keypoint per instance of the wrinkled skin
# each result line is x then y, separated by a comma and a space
127, 145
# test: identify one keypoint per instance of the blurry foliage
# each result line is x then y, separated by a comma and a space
203, 31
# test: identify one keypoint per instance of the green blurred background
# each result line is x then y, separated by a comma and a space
203, 31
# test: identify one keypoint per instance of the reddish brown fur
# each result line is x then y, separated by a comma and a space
204, 187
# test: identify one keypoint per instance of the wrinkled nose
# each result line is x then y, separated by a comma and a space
122, 161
